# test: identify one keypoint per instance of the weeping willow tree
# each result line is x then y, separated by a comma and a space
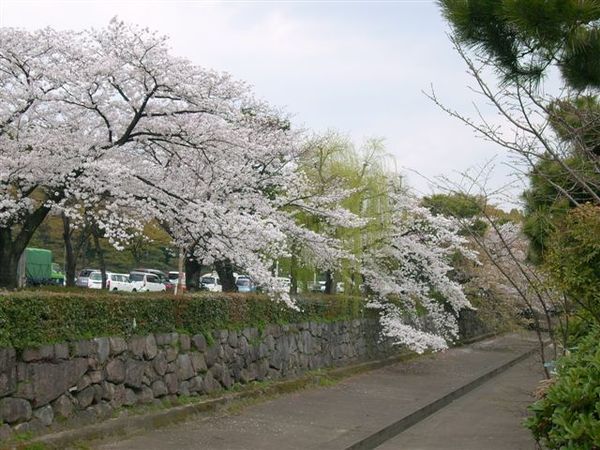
358, 180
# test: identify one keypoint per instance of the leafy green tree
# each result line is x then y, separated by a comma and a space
524, 38
360, 179
573, 258
460, 206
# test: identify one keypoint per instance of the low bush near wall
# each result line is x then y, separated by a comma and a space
568, 416
31, 318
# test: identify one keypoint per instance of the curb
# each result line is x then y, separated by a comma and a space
392, 430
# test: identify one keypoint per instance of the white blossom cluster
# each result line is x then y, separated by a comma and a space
407, 274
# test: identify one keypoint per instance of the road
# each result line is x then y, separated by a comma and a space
338, 416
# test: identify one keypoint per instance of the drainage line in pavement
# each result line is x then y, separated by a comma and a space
394, 429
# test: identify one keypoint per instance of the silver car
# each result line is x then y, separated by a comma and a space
83, 279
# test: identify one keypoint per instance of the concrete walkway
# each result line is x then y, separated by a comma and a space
342, 415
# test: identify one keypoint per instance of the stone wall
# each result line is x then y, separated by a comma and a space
88, 379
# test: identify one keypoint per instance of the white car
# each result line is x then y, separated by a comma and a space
119, 282
211, 282
146, 282
94, 279
174, 279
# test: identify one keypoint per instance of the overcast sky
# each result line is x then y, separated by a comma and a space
355, 67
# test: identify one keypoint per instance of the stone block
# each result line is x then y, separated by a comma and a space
209, 384
217, 371
163, 339
63, 406
185, 371
115, 371
14, 410
172, 383
145, 395
227, 380
102, 349
262, 368
83, 382
220, 336
137, 346
98, 392
160, 363
43, 353
185, 343
251, 334
61, 351
199, 342
198, 362
82, 349
108, 390
196, 384
45, 382
184, 388
171, 354
102, 410
159, 388
85, 397
8, 372
119, 393
130, 398
117, 345
232, 338
214, 354
151, 348
96, 376
134, 372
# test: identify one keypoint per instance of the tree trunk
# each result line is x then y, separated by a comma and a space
70, 256
329, 283
180, 272
225, 270
8, 260
11, 247
294, 271
100, 254
192, 273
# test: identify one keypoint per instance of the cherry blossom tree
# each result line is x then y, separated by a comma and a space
110, 117
407, 269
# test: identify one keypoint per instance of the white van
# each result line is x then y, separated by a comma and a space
146, 282
119, 282
211, 282
95, 279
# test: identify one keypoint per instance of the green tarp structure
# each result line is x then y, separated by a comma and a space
38, 265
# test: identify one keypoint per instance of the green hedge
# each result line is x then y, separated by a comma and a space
33, 318
568, 416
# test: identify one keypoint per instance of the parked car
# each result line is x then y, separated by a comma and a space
319, 286
95, 279
285, 282
119, 282
83, 277
174, 279
146, 282
211, 282
245, 284
163, 277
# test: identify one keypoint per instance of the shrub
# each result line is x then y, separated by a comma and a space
33, 318
568, 416
573, 260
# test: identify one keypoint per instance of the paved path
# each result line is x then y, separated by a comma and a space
487, 418
337, 417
